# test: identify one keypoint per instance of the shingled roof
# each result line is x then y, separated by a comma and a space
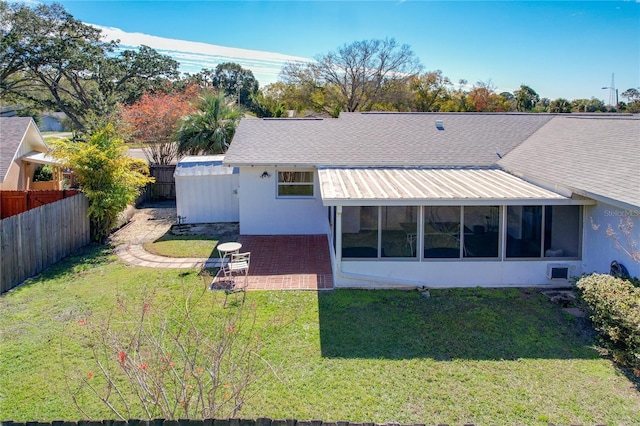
12, 132
596, 156
383, 140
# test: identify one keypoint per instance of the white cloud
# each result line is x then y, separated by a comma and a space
194, 56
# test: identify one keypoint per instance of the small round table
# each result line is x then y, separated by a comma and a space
225, 248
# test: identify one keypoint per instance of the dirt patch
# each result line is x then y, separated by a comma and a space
149, 222
152, 220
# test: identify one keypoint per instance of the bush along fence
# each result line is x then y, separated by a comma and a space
216, 422
38, 238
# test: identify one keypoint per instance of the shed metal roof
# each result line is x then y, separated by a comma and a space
203, 165
402, 186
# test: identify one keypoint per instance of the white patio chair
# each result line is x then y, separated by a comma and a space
237, 268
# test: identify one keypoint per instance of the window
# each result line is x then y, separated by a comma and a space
524, 231
481, 231
562, 231
359, 231
556, 228
441, 232
399, 226
295, 184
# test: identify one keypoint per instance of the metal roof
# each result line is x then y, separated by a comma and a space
203, 165
396, 186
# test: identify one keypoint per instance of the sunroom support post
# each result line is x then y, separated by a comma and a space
338, 238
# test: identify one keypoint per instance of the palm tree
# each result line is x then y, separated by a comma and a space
210, 129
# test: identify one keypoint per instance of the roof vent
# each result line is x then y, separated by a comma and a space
439, 124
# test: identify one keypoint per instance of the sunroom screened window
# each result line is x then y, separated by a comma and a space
295, 184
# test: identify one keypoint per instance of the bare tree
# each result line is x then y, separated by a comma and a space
352, 78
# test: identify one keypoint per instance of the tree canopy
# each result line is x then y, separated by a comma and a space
50, 59
210, 129
154, 120
353, 77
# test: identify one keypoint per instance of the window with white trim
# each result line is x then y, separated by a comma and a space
295, 184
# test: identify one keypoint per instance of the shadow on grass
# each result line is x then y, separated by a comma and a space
479, 324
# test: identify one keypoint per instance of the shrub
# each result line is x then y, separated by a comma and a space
615, 312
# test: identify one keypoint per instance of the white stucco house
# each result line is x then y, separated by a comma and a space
444, 200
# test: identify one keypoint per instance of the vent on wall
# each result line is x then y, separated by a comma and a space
558, 272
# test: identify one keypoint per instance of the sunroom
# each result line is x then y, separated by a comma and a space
448, 227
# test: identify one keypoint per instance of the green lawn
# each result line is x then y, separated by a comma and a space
182, 246
469, 355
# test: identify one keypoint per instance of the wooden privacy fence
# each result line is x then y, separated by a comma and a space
16, 202
164, 187
213, 422
38, 238
165, 184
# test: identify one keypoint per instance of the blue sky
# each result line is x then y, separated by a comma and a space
560, 49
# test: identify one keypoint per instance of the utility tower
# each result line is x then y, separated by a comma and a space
613, 92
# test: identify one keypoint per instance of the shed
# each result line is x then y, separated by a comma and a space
206, 191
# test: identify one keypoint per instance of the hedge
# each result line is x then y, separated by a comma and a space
615, 313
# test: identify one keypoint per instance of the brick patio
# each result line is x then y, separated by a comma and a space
288, 262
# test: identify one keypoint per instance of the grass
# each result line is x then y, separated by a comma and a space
182, 246
504, 356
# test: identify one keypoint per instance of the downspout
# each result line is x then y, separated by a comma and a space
336, 261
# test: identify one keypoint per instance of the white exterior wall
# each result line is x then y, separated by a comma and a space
435, 274
598, 249
262, 213
207, 199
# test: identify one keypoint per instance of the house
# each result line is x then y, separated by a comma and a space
52, 121
442, 200
22, 151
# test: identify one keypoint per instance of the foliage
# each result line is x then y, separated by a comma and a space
353, 77
43, 174
633, 100
236, 82
483, 98
526, 98
560, 105
210, 129
615, 312
50, 59
153, 121
588, 105
108, 177
431, 90
174, 360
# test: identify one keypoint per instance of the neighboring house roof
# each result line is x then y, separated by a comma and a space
383, 140
595, 156
13, 131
